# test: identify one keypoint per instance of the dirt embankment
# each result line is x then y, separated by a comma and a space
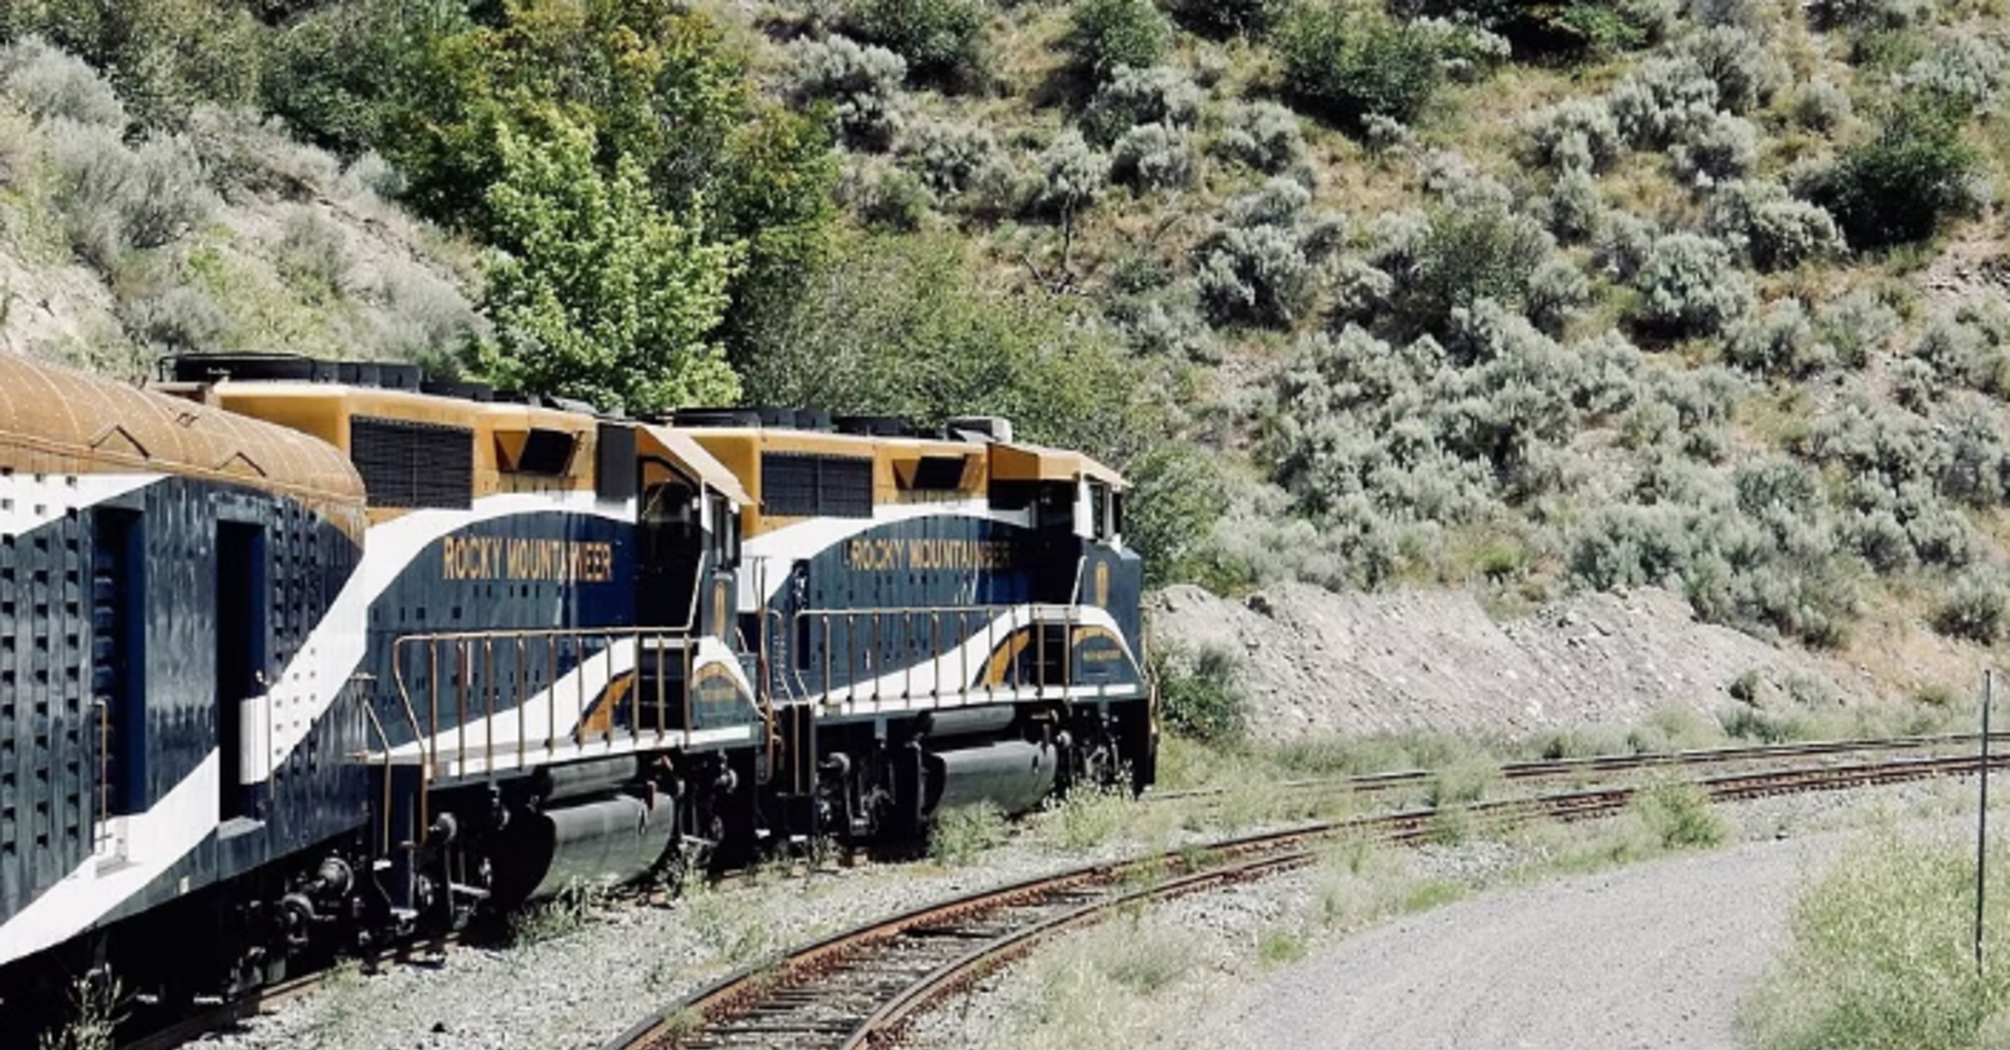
1316, 662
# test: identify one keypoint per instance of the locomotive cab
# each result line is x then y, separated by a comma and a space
939, 617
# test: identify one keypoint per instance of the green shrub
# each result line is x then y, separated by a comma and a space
1177, 497
945, 42
1152, 157
1072, 176
164, 56
48, 82
860, 84
1135, 97
1781, 342
1737, 62
1721, 148
1105, 35
1576, 134
1680, 816
1963, 71
958, 836
1569, 30
1689, 287
313, 253
1976, 608
1879, 954
1348, 66
1259, 266
1198, 695
1899, 186
1473, 250
956, 158
114, 198
1773, 230
1821, 106
889, 198
1263, 135
1662, 100
1866, 14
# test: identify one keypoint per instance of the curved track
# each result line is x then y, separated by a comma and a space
860, 988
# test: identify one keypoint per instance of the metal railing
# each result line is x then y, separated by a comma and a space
548, 680
942, 639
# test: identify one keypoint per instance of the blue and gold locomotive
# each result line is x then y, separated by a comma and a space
296, 656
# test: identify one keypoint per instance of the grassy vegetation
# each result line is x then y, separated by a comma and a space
1880, 954
567, 912
959, 836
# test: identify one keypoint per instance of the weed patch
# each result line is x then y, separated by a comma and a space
961, 834
1879, 955
1681, 817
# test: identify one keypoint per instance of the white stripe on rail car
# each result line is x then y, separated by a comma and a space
807, 539
315, 677
146, 845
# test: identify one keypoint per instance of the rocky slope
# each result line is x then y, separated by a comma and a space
1313, 662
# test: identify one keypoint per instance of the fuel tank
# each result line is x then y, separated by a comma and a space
1012, 775
611, 840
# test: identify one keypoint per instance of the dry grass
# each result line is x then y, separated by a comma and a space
1111, 986
98, 1005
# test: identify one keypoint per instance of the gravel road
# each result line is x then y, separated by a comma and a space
1654, 956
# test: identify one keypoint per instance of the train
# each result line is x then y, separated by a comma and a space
299, 658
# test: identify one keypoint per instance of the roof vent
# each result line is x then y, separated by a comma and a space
874, 426
716, 417
211, 368
997, 428
456, 388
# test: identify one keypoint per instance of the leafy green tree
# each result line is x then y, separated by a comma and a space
334, 72
1106, 34
657, 84
597, 293
1180, 495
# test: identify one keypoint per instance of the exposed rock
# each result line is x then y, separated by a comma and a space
1314, 662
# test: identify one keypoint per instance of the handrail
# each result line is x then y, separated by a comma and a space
477, 709
1018, 616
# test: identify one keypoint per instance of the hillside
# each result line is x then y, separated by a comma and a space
1527, 299
119, 244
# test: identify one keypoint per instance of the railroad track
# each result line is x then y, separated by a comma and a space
1591, 765
861, 988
